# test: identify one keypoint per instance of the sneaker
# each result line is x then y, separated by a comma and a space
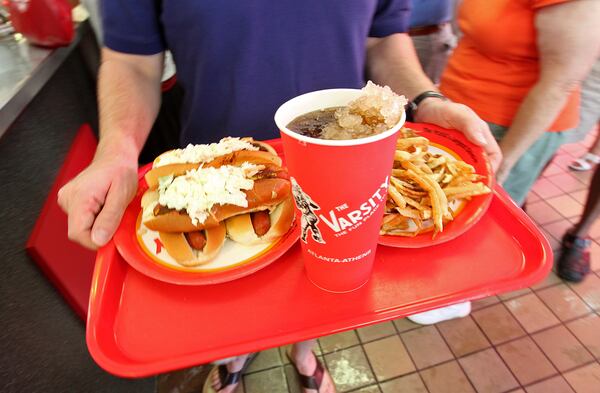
574, 260
458, 310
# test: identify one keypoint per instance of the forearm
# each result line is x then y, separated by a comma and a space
393, 61
535, 116
128, 100
568, 41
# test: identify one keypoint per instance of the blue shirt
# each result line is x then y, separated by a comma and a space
239, 60
431, 12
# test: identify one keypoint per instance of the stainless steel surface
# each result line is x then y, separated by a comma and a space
18, 60
24, 70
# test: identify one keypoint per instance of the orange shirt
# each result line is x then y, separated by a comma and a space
496, 62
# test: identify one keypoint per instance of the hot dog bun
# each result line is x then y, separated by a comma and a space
265, 194
149, 197
261, 145
178, 247
241, 230
236, 158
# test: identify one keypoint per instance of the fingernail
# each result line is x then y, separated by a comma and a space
100, 237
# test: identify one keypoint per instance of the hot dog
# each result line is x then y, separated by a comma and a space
204, 197
194, 248
192, 209
229, 151
266, 193
261, 226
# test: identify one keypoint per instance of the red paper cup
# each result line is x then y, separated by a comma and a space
340, 188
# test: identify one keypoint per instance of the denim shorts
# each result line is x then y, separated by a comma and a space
531, 164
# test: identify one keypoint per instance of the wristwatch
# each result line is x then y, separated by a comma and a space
412, 106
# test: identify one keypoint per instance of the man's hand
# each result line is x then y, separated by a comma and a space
128, 101
96, 199
460, 117
392, 61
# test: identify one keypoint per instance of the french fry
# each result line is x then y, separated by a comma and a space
405, 143
466, 191
413, 203
408, 212
437, 206
397, 196
398, 172
402, 156
406, 188
422, 185
394, 221
439, 202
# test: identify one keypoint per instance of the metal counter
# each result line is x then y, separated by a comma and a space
25, 69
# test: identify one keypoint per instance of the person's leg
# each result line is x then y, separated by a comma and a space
589, 108
303, 357
185, 380
589, 116
214, 382
307, 365
595, 149
592, 207
591, 158
574, 258
528, 168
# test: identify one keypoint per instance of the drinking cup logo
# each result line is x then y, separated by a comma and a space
342, 219
309, 219
345, 218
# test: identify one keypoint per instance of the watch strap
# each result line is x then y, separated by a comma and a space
412, 106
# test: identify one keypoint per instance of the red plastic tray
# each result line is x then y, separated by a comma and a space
68, 265
138, 326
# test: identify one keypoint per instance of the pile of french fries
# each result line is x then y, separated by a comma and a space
422, 187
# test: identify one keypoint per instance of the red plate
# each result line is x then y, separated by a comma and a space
146, 262
453, 143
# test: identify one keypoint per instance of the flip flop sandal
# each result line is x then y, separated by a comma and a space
313, 381
580, 165
227, 378
584, 163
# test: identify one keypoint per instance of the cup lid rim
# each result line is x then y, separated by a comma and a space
336, 142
